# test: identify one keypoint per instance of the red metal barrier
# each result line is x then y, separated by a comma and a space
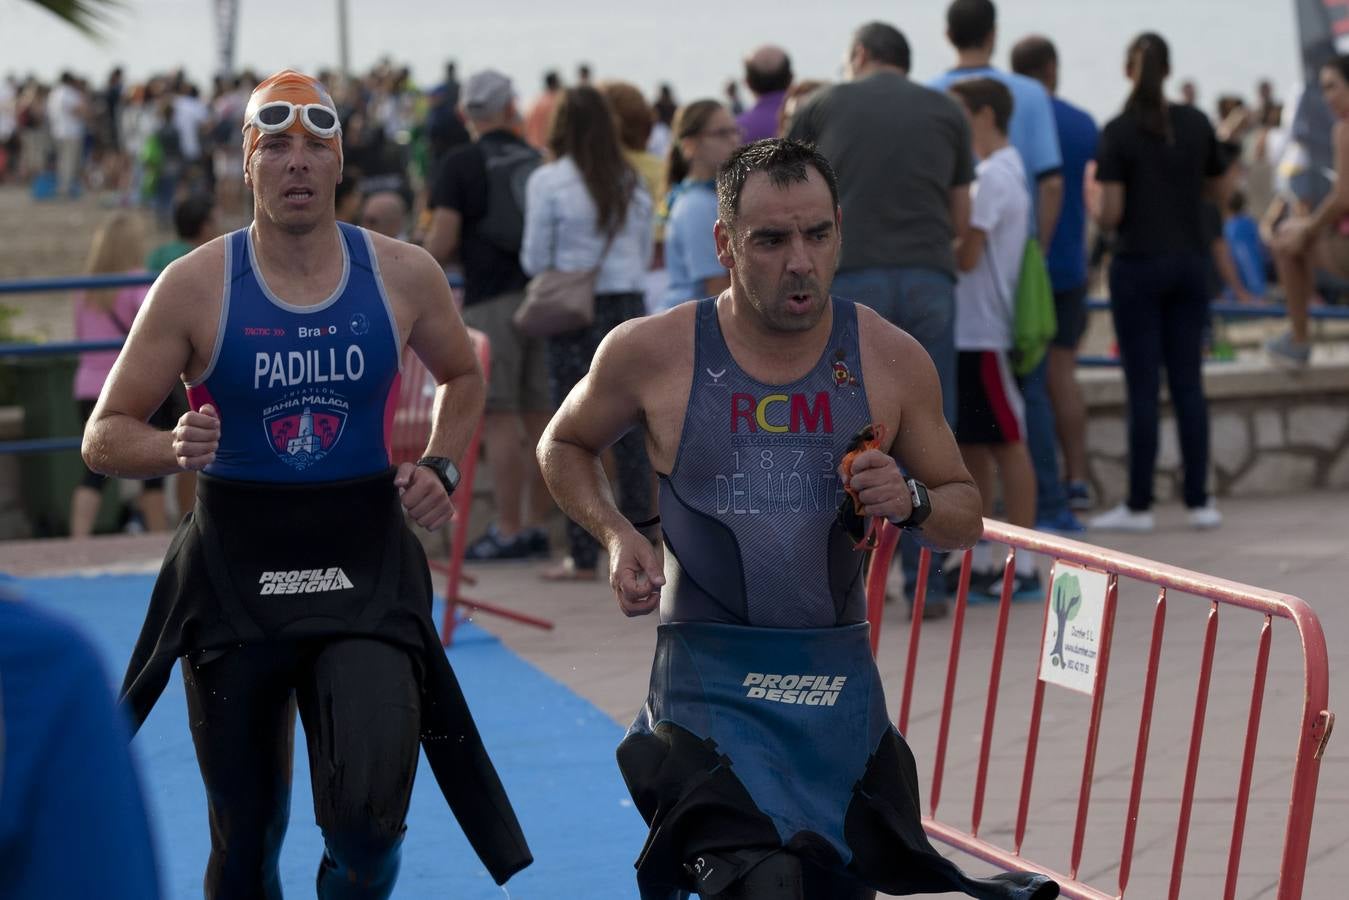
1316, 720
410, 431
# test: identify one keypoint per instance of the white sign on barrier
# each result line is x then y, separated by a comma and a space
1072, 642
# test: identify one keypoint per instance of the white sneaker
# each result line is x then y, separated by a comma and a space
1285, 351
1206, 516
1122, 518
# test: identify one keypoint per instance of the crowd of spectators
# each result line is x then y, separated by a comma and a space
592, 173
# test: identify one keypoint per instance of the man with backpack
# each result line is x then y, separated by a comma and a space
477, 219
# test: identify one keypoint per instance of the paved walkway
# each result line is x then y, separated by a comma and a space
1296, 544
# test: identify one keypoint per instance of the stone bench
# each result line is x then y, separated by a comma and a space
1272, 430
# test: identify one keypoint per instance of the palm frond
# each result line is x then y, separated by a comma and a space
90, 17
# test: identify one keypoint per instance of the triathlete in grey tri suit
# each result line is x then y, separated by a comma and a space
763, 759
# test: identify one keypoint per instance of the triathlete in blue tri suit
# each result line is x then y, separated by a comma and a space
763, 759
295, 581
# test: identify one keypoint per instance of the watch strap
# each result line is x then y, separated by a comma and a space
445, 470
921, 505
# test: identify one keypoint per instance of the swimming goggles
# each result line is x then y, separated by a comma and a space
278, 115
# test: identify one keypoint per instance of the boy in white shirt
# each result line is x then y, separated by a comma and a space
990, 420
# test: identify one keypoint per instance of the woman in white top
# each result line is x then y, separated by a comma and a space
584, 209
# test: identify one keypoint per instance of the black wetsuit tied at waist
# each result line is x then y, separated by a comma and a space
257, 562
756, 740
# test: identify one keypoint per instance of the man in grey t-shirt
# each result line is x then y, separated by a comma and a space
904, 163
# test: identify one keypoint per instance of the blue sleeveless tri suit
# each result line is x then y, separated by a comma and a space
304, 393
765, 725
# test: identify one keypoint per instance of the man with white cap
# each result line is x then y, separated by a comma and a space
295, 581
477, 207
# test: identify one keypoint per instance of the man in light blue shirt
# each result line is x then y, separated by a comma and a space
971, 27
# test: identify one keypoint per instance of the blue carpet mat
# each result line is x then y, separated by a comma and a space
554, 750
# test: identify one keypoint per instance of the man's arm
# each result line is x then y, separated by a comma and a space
970, 249
1227, 270
1049, 204
1046, 161
959, 203
442, 235
440, 340
603, 407
1111, 210
445, 228
117, 440
923, 445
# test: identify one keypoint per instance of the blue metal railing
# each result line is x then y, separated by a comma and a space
1222, 311
60, 348
39, 445
74, 283
1251, 311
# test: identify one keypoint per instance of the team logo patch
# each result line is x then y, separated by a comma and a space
300, 439
843, 376
359, 324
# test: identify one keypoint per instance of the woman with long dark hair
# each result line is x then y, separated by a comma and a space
588, 209
1154, 163
1320, 240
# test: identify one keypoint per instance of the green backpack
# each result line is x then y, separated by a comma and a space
1033, 319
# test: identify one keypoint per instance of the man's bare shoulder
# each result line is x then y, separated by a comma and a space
885, 341
649, 345
193, 279
406, 268
901, 379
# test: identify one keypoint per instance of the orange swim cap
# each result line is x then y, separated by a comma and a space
292, 87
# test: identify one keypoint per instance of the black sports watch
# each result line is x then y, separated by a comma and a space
445, 470
922, 507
